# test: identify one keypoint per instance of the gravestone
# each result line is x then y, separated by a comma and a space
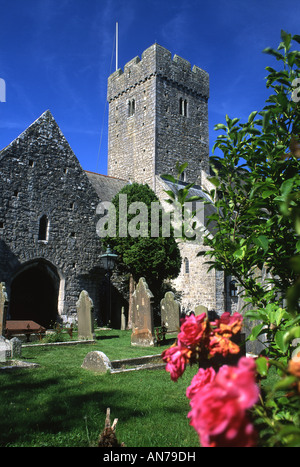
5, 349
16, 347
199, 309
170, 312
3, 308
142, 315
84, 308
97, 361
123, 319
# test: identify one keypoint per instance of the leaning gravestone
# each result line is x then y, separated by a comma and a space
84, 308
170, 312
142, 315
199, 309
97, 361
3, 308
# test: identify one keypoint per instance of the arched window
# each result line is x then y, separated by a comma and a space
186, 266
43, 228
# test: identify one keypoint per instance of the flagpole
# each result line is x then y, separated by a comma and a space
117, 45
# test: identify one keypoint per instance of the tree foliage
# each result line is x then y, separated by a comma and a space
256, 194
154, 258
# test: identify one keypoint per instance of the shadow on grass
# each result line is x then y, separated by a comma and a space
167, 342
49, 410
99, 338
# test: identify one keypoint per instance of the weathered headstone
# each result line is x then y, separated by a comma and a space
3, 308
199, 309
123, 319
5, 349
142, 315
84, 308
170, 312
16, 347
97, 361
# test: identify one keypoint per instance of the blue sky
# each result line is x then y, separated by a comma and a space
57, 55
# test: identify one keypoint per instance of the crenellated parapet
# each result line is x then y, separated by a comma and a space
158, 61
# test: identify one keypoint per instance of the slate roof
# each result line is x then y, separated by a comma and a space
196, 190
105, 186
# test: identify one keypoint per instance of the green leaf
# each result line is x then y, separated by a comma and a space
194, 198
266, 119
220, 126
215, 181
287, 186
262, 366
169, 177
296, 38
239, 253
170, 193
280, 342
285, 383
255, 332
293, 333
286, 38
181, 168
266, 193
270, 51
262, 241
252, 116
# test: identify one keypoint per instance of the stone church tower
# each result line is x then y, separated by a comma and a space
158, 115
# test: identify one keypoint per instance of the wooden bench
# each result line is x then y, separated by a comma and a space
27, 327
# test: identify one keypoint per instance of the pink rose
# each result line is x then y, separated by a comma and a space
228, 324
203, 377
219, 408
192, 330
239, 382
176, 357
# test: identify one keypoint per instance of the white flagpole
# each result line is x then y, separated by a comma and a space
117, 45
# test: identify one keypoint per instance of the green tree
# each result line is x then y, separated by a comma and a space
141, 254
256, 194
257, 240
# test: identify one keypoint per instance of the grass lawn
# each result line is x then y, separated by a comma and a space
61, 404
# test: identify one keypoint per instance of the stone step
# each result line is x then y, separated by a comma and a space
146, 366
136, 361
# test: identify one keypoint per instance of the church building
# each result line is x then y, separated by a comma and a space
49, 247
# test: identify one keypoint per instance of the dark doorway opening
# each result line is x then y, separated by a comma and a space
34, 294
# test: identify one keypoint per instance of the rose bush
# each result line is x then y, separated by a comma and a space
219, 400
219, 403
256, 240
200, 339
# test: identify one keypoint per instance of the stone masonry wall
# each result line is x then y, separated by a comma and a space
197, 285
155, 136
40, 175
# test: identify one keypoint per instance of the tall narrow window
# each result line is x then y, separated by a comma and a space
233, 288
183, 107
183, 176
186, 266
131, 107
43, 228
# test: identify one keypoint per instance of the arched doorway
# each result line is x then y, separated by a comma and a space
34, 293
